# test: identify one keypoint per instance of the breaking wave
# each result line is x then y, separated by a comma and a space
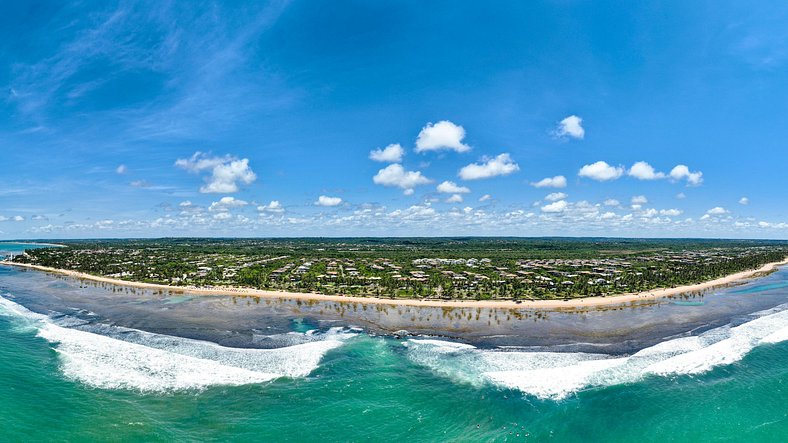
124, 358
556, 375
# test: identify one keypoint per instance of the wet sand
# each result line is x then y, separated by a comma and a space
239, 320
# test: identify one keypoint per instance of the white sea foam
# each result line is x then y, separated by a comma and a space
556, 375
159, 363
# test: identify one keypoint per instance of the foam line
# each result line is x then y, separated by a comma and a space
159, 363
556, 375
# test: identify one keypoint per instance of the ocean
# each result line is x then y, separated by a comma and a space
82, 362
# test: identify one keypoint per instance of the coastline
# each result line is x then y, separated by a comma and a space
54, 245
501, 304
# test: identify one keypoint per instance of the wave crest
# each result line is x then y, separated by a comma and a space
151, 362
556, 375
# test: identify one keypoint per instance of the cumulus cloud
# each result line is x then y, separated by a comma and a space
491, 167
396, 175
644, 171
485, 197
121, 169
765, 224
681, 172
559, 181
325, 200
601, 171
671, 212
449, 187
225, 172
718, 210
611, 202
744, 201
443, 135
639, 200
455, 198
648, 213
570, 127
681, 196
226, 203
555, 196
392, 153
555, 207
273, 206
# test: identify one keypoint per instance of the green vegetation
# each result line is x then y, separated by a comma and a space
448, 268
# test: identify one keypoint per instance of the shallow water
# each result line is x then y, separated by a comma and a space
83, 361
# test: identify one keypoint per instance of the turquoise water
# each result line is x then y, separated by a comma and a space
66, 378
370, 389
17, 248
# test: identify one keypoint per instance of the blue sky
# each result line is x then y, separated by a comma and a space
343, 118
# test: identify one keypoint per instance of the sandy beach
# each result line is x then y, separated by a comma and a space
503, 304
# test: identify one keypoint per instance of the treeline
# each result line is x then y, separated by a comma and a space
644, 264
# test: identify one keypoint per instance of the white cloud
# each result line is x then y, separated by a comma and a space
681, 196
644, 171
559, 181
226, 203
492, 167
455, 198
442, 135
682, 172
555, 207
390, 154
449, 187
222, 216
764, 224
608, 215
649, 213
121, 169
555, 196
601, 171
485, 197
273, 206
570, 127
718, 210
611, 202
396, 175
226, 172
325, 200
639, 200
744, 201
186, 204
671, 212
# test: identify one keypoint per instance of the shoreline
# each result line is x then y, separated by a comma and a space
500, 304
54, 245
